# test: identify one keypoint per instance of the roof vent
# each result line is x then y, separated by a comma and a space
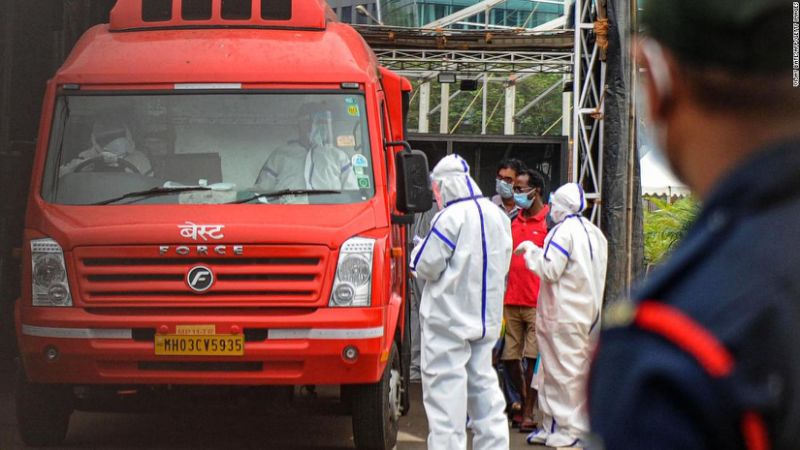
130, 15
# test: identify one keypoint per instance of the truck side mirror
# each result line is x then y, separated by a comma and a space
413, 185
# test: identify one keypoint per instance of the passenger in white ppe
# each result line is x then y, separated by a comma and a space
113, 149
312, 161
572, 268
463, 260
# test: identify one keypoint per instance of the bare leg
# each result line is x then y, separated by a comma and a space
514, 367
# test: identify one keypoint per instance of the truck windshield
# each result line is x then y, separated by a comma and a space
126, 148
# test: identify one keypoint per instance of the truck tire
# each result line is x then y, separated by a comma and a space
376, 408
43, 412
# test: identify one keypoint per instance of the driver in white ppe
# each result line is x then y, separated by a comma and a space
572, 268
463, 260
312, 161
111, 143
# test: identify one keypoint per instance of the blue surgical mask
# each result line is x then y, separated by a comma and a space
504, 190
522, 200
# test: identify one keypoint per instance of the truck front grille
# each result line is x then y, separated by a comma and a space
261, 276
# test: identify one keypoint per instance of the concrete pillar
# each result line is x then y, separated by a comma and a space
444, 110
485, 99
424, 106
511, 106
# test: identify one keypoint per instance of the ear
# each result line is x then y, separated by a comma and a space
658, 75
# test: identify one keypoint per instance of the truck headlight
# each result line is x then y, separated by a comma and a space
50, 286
353, 283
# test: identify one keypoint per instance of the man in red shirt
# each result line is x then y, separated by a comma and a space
507, 172
522, 290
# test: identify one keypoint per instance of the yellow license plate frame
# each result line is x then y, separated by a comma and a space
199, 345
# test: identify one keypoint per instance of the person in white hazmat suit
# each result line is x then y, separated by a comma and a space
312, 161
112, 142
572, 267
464, 260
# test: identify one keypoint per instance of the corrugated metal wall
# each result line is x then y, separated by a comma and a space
35, 37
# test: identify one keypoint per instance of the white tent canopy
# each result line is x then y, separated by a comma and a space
657, 179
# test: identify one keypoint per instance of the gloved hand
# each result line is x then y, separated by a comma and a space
110, 158
524, 248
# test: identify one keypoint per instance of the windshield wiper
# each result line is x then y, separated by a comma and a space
154, 192
285, 192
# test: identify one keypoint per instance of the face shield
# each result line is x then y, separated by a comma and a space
436, 188
321, 132
112, 139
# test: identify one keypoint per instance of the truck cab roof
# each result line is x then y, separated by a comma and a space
249, 50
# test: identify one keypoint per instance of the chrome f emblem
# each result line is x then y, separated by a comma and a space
200, 278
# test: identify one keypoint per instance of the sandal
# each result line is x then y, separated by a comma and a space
527, 425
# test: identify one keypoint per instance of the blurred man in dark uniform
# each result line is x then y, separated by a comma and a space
708, 353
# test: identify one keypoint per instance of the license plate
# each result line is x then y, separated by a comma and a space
194, 345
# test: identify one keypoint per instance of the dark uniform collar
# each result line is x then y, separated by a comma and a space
770, 176
767, 179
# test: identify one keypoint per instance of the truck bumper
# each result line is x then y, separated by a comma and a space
282, 347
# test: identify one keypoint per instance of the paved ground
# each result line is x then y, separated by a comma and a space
306, 424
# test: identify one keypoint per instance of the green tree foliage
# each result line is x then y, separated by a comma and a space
666, 226
465, 108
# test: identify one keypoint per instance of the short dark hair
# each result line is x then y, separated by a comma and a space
755, 95
535, 178
511, 163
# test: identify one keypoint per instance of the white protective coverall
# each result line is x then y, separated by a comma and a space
464, 260
320, 166
572, 267
120, 148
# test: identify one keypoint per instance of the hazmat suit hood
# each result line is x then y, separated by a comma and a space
451, 176
569, 199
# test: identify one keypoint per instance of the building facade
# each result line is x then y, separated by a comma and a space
346, 10
509, 13
416, 13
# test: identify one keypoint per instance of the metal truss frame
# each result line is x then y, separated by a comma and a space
476, 61
584, 64
589, 79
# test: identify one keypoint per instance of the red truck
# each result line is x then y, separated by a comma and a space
219, 197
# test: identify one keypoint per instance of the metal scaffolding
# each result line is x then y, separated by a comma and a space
409, 61
508, 56
588, 92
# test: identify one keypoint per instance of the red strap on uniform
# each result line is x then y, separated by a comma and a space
754, 431
688, 335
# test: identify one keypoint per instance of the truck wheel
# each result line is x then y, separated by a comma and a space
376, 408
43, 412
